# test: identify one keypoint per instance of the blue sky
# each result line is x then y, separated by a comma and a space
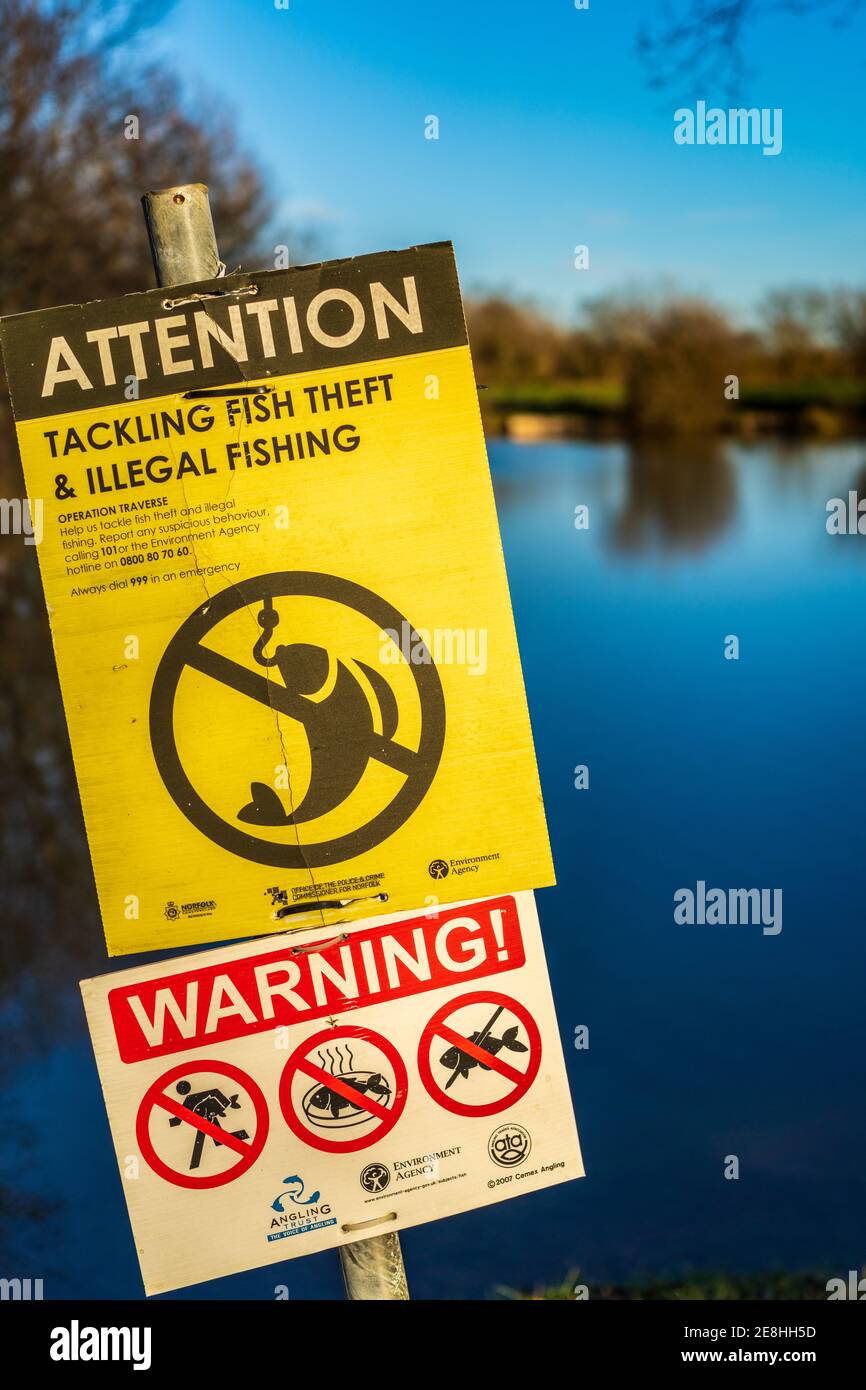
549, 137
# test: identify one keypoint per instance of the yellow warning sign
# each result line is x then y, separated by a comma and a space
279, 606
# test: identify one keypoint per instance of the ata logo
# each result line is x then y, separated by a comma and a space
509, 1145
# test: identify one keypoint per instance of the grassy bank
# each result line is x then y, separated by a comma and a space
601, 407
772, 1287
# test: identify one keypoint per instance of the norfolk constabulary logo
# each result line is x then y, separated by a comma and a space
313, 754
172, 911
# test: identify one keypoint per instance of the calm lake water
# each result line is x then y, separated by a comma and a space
705, 1041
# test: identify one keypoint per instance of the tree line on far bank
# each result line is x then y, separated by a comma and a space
666, 363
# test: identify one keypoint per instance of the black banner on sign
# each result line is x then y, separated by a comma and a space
250, 326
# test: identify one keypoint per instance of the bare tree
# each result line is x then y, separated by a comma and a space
84, 129
704, 41
86, 125
797, 327
515, 343
848, 314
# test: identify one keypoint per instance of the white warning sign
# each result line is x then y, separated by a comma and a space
305, 1091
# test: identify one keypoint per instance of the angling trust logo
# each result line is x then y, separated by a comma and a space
298, 1211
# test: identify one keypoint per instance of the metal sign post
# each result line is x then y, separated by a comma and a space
184, 249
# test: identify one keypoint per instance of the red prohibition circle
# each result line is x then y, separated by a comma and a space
151, 1098
459, 1107
299, 1061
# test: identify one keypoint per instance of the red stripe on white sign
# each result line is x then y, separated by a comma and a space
254, 993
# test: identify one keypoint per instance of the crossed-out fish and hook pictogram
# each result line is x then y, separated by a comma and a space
349, 720
472, 1076
340, 727
462, 1062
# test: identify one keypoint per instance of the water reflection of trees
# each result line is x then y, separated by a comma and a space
679, 495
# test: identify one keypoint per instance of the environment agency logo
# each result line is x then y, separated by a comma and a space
375, 1177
